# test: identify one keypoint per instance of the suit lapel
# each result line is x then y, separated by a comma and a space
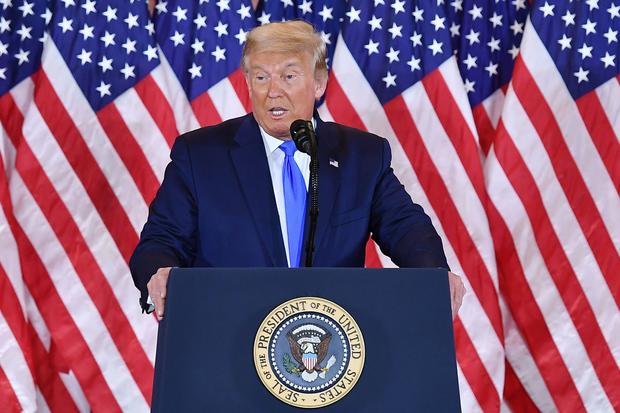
250, 162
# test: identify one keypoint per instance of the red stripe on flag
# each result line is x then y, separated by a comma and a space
7, 395
39, 362
462, 138
237, 80
486, 131
340, 106
570, 179
372, 258
13, 314
559, 266
158, 107
454, 227
57, 318
443, 205
86, 168
515, 394
602, 133
78, 252
205, 110
527, 315
477, 376
129, 151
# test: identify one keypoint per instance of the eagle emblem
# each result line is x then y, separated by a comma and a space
309, 345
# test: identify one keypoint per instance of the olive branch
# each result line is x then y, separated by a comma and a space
289, 366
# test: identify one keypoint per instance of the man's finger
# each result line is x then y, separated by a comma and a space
159, 308
157, 288
457, 290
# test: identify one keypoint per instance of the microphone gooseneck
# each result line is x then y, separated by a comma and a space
304, 137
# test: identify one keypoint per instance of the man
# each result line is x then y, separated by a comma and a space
231, 195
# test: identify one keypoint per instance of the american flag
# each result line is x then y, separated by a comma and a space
503, 117
553, 178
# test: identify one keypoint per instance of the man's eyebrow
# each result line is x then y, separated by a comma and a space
287, 66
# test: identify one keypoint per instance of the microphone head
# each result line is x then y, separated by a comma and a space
302, 133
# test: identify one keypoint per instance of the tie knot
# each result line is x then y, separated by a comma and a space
288, 147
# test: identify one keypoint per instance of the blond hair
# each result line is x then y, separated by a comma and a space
290, 37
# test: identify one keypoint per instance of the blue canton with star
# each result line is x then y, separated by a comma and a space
582, 39
202, 40
396, 43
107, 44
22, 34
486, 36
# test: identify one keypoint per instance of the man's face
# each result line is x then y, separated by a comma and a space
283, 88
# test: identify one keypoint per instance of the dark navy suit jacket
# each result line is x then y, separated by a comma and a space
216, 206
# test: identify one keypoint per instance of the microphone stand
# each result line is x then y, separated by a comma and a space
314, 199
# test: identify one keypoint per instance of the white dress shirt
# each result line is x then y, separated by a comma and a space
275, 158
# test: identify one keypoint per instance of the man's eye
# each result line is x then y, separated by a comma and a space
289, 77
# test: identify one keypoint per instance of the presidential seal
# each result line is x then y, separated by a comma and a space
309, 352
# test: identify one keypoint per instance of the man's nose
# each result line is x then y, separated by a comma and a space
275, 87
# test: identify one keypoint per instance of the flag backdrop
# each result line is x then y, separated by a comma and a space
504, 122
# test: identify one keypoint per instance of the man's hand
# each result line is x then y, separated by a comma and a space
457, 291
157, 290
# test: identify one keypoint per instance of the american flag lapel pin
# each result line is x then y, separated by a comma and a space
333, 162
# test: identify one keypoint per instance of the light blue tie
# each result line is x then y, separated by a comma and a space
294, 202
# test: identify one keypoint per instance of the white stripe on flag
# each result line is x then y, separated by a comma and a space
42, 406
75, 390
493, 106
523, 364
13, 363
226, 100
609, 94
324, 113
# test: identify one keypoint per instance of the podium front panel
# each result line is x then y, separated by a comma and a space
205, 342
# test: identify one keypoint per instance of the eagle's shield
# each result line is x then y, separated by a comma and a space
309, 360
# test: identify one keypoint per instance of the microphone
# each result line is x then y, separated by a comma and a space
303, 135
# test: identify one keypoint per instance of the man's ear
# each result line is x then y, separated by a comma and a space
246, 76
320, 84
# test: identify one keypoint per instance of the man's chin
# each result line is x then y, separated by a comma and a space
280, 129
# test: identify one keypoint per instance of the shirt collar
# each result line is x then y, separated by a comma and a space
272, 143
